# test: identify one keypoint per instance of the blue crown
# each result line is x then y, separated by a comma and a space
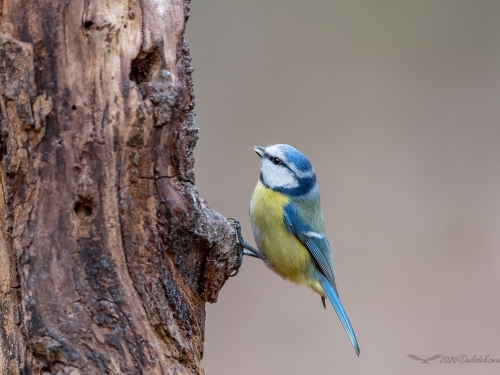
296, 158
303, 169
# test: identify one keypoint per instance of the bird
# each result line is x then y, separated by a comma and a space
416, 358
288, 226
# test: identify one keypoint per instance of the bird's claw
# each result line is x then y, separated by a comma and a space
243, 245
236, 271
239, 238
236, 224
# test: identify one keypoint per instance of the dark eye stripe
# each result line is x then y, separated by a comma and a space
283, 164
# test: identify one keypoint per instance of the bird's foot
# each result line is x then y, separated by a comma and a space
247, 249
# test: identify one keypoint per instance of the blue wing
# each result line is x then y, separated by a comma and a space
320, 250
316, 243
318, 246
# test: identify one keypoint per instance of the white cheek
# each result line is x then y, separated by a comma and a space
276, 176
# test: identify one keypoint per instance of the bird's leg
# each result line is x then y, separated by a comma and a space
247, 249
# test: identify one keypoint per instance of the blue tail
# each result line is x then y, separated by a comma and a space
339, 309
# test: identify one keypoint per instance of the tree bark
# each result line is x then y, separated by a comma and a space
107, 254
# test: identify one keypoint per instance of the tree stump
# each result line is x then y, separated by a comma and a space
107, 254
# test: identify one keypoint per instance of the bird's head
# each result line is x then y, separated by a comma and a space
287, 170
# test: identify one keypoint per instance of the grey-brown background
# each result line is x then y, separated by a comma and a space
397, 105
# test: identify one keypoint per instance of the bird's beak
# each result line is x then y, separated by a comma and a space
261, 151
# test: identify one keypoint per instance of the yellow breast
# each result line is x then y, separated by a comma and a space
285, 253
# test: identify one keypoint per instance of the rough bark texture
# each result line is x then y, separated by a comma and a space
107, 254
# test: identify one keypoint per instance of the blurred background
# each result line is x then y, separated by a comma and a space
397, 105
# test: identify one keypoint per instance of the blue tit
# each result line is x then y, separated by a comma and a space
288, 226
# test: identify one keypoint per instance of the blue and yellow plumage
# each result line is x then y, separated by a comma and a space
288, 227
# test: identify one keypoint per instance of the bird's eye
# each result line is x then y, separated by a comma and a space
276, 161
